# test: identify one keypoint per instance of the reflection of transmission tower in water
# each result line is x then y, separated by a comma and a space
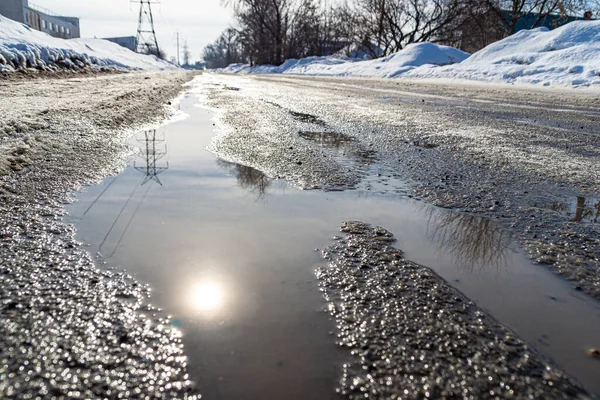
146, 36
151, 155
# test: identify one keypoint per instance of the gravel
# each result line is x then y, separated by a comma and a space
412, 336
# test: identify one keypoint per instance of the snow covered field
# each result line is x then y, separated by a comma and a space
567, 56
22, 47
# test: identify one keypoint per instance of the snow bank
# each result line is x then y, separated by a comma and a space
569, 55
411, 57
23, 47
281, 69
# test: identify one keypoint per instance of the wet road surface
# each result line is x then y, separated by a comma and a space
511, 154
230, 253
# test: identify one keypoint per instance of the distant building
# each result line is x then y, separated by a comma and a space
40, 19
488, 27
533, 20
128, 42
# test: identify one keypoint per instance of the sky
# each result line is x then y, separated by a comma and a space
198, 21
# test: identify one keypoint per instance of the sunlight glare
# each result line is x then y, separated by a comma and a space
208, 296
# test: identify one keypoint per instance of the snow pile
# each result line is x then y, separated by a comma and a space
281, 69
569, 55
23, 47
407, 59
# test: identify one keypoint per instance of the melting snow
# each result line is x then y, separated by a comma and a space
23, 47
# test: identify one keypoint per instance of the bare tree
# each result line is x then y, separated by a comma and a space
271, 31
482, 22
224, 51
390, 25
512, 13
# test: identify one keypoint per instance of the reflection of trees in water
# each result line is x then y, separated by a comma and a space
559, 206
248, 178
474, 242
585, 209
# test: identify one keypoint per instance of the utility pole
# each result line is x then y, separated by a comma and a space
178, 63
146, 36
186, 53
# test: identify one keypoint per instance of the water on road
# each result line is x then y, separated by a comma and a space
230, 253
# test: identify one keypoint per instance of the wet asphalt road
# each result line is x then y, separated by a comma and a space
250, 317
526, 158
67, 328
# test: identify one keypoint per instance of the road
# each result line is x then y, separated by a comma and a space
500, 161
525, 157
67, 328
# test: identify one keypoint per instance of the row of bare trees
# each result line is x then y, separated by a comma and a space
271, 31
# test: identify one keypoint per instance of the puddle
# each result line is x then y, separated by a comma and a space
308, 118
151, 150
344, 144
248, 178
299, 116
580, 209
424, 143
473, 242
231, 253
329, 139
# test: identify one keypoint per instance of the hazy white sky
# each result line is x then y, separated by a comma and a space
198, 21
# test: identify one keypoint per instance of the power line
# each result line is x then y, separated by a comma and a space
129, 222
178, 63
100, 195
119, 215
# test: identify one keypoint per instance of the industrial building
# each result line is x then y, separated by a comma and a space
40, 19
128, 42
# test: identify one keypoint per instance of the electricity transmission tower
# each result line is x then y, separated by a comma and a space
146, 36
151, 155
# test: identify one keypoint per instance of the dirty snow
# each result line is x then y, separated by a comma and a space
23, 47
67, 328
454, 351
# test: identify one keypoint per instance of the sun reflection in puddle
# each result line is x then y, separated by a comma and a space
208, 296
